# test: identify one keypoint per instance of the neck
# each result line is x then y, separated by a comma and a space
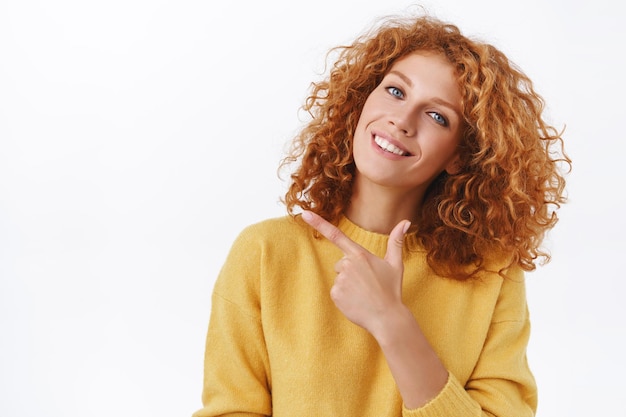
379, 209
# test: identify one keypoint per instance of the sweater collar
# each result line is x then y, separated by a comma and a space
376, 242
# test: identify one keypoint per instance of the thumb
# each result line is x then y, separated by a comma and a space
395, 243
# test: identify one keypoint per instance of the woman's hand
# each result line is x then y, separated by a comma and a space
367, 289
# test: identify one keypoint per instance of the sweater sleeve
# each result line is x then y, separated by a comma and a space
236, 369
501, 383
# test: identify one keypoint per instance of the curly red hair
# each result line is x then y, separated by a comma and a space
504, 198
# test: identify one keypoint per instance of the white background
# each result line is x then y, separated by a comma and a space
137, 138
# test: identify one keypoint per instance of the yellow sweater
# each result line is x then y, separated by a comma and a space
278, 346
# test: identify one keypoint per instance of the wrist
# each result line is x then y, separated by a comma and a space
419, 373
394, 325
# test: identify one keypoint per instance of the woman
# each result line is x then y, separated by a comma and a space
424, 184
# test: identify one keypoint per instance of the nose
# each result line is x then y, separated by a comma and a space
404, 120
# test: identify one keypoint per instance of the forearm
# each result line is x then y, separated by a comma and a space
416, 368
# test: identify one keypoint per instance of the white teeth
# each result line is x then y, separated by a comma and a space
389, 147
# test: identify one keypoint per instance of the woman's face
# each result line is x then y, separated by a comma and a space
410, 126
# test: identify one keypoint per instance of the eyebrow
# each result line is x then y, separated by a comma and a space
435, 99
404, 77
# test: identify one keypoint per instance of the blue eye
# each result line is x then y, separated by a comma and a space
438, 118
395, 91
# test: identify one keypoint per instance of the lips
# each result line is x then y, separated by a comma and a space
387, 146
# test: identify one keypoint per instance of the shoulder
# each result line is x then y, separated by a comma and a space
269, 228
511, 303
272, 225
278, 231
260, 247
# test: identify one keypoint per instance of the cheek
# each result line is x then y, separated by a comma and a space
361, 123
358, 147
441, 150
361, 136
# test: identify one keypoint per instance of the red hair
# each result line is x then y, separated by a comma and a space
504, 198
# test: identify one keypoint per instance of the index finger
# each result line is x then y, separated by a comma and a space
331, 232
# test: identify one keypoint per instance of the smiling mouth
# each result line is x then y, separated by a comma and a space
387, 146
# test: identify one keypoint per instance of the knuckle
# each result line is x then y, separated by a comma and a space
360, 256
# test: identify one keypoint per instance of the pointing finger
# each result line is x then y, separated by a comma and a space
331, 233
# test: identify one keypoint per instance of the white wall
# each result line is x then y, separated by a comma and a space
137, 138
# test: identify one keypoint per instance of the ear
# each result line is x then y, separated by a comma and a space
454, 166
